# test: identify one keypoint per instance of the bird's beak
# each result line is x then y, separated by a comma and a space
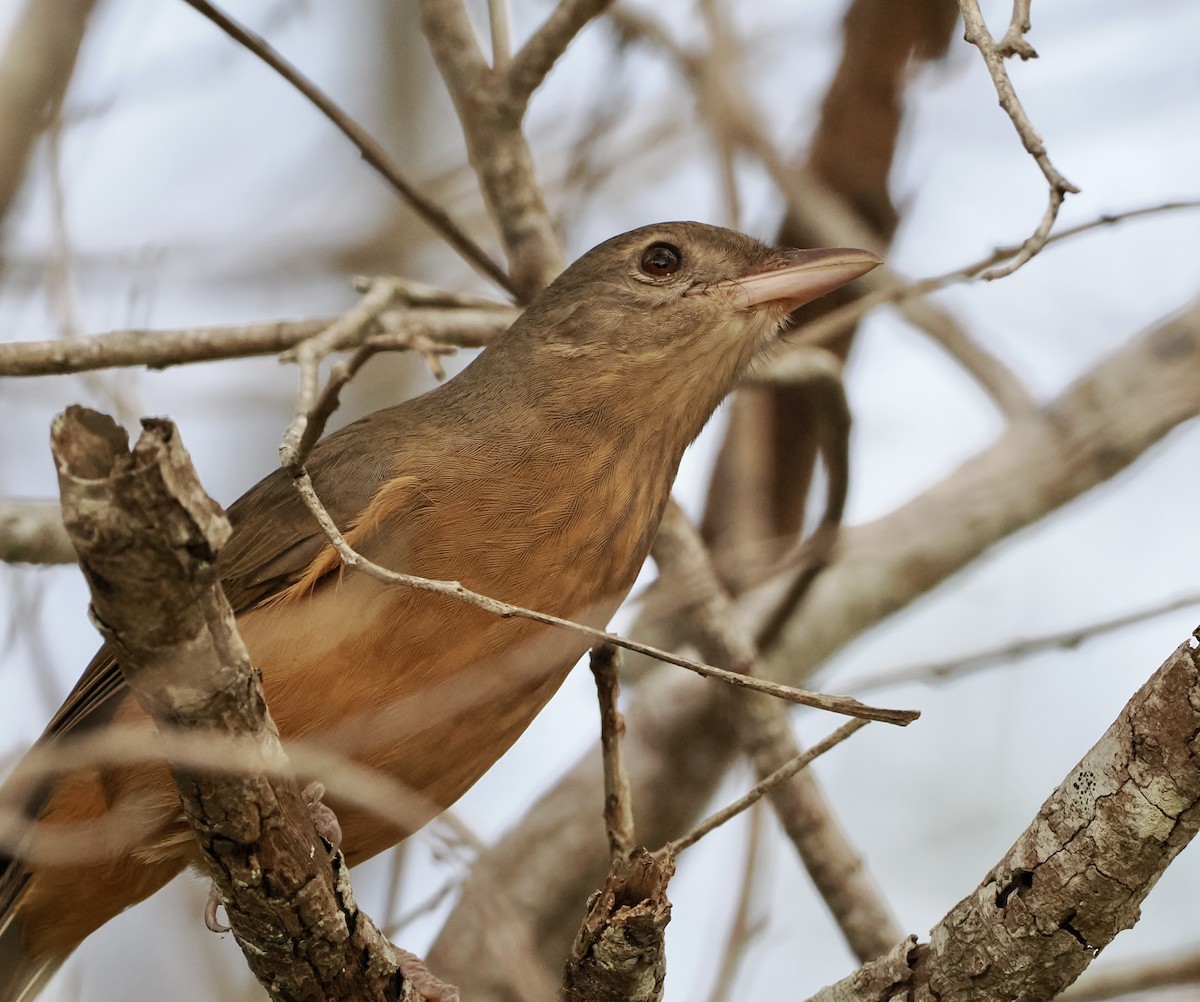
800, 277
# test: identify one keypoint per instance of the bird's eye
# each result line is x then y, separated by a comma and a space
662, 259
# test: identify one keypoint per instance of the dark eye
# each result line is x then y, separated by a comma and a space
662, 259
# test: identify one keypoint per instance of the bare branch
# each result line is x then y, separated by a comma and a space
1014, 43
760, 790
993, 56
348, 329
1078, 874
31, 532
355, 785
618, 803
940, 671
834, 866
374, 154
499, 154
35, 69
160, 349
619, 953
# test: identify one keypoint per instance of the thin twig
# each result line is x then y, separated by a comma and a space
374, 154
760, 790
941, 671
454, 589
976, 32
1014, 42
618, 801
311, 414
835, 322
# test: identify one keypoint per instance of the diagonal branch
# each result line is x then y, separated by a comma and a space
1078, 874
374, 154
454, 589
537, 56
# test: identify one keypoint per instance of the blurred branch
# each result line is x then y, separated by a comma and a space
1013, 43
938, 671
374, 154
1135, 978
491, 105
31, 532
1078, 874
498, 22
60, 843
35, 70
548, 43
496, 147
744, 927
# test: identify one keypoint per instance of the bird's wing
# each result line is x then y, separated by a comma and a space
275, 539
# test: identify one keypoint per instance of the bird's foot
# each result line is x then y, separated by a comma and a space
323, 818
427, 986
211, 922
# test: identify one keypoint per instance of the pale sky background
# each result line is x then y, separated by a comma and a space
198, 188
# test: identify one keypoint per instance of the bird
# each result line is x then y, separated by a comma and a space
537, 475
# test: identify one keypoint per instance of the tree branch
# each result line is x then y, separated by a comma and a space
994, 55
160, 349
148, 538
1078, 874
31, 532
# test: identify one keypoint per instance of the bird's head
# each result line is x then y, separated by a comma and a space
671, 314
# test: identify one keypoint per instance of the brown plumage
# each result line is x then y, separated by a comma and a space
538, 476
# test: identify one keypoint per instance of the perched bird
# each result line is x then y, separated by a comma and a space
538, 475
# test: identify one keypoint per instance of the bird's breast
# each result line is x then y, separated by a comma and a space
430, 688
